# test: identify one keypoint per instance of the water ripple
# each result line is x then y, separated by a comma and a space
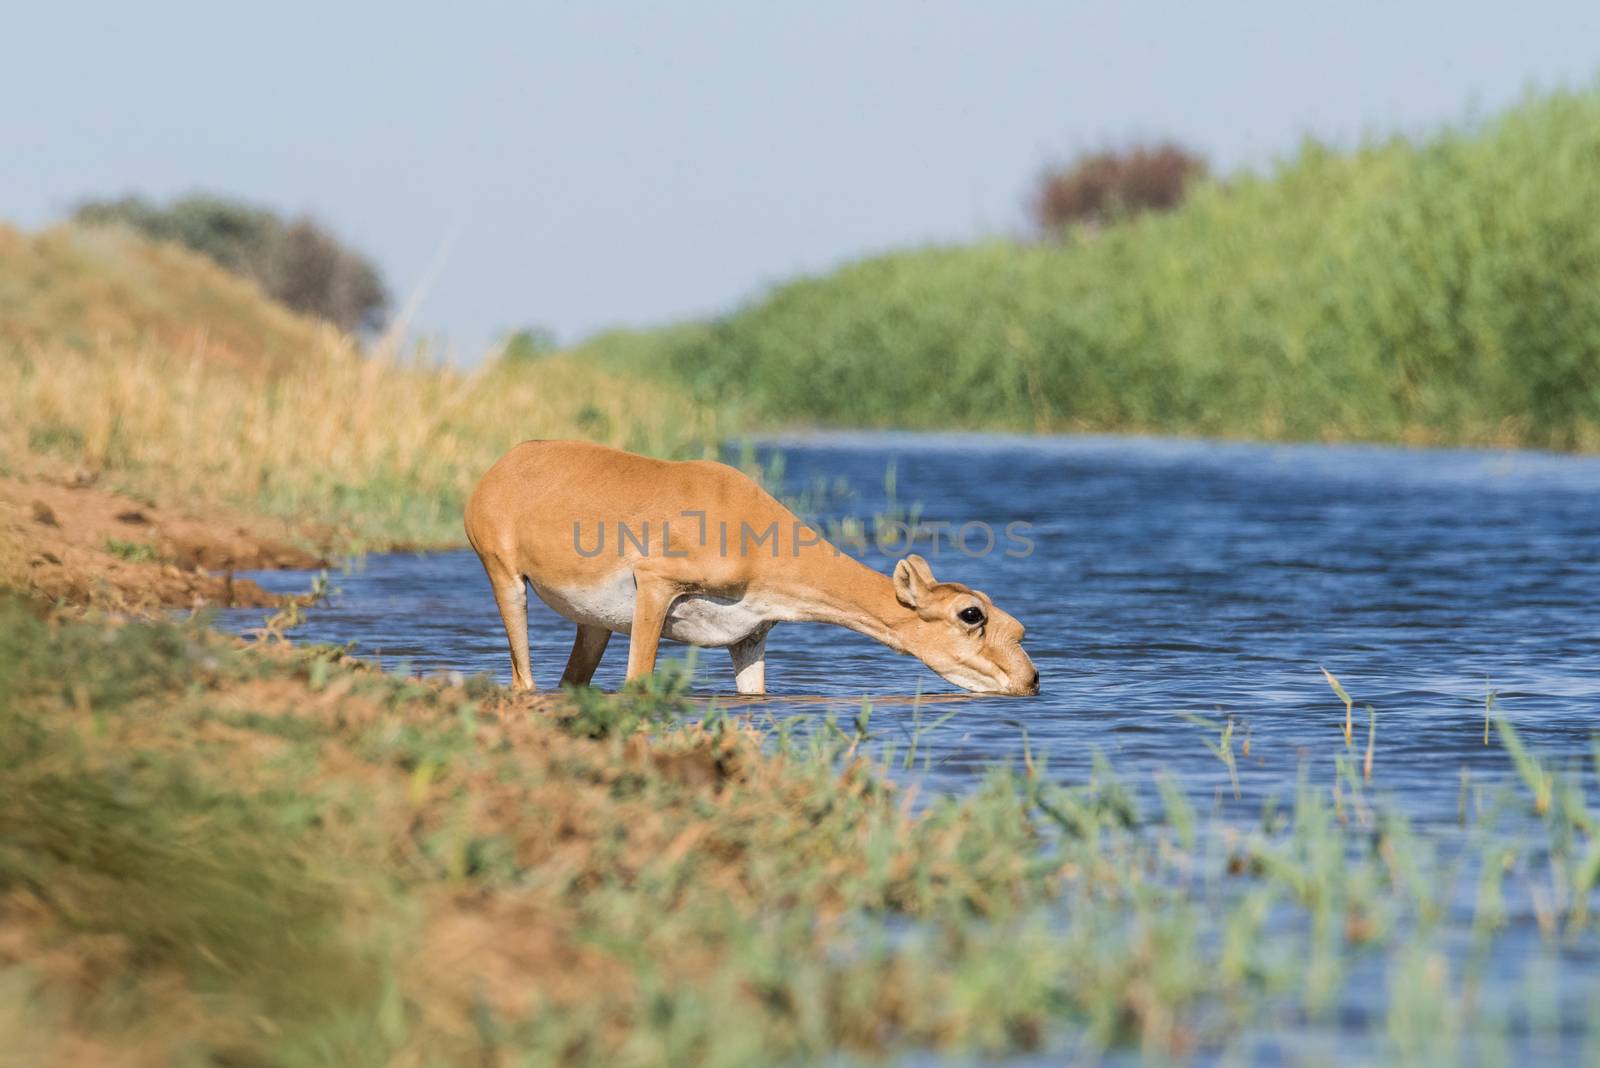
1167, 577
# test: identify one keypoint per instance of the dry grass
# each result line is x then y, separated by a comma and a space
383, 450
84, 288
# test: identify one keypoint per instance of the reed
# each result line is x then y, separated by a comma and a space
1222, 748
1349, 707
1372, 743
1438, 290
1539, 780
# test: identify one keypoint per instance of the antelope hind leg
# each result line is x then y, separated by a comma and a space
750, 665
587, 649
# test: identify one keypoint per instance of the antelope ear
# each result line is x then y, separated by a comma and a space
912, 577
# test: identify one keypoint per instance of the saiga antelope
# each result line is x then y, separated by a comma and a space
619, 543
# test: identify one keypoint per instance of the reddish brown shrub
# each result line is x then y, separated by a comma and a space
1144, 178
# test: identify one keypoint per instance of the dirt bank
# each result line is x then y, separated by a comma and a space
221, 853
66, 537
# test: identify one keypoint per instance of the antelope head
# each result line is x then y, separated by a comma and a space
958, 632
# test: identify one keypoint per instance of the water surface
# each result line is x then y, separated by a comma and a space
1167, 578
1164, 577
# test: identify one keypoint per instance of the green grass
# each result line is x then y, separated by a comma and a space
1442, 290
277, 855
134, 551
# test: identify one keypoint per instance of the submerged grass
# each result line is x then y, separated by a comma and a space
1434, 291
277, 855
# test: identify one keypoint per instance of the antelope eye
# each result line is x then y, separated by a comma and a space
973, 615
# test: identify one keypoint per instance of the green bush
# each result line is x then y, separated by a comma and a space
297, 262
1443, 291
529, 345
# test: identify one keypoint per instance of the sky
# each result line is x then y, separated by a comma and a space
582, 165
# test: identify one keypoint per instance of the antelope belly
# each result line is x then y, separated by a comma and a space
695, 618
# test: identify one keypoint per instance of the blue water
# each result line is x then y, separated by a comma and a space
1165, 577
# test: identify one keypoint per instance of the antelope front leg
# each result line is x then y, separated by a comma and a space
652, 597
750, 665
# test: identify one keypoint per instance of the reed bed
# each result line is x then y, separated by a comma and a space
1444, 290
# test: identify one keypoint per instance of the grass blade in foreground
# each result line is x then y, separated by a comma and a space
280, 856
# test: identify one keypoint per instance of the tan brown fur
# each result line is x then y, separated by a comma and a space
544, 500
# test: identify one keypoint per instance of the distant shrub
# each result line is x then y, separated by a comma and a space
312, 273
1097, 186
528, 344
297, 262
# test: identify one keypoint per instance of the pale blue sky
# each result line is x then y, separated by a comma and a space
588, 164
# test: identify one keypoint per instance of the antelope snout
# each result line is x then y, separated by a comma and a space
1022, 680
1026, 683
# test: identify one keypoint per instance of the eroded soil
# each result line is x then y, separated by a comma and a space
64, 537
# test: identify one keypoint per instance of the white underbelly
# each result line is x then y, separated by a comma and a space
695, 618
